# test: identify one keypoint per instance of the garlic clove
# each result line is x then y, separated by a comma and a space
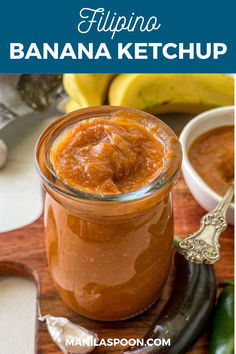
70, 338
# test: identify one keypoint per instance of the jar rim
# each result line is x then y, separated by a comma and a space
161, 182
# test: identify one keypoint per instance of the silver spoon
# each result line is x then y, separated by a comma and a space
24, 94
202, 246
69, 337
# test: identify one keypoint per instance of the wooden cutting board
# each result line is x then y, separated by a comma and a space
26, 245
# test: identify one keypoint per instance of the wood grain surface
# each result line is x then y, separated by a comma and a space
26, 245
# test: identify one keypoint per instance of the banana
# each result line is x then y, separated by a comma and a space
87, 89
71, 106
167, 93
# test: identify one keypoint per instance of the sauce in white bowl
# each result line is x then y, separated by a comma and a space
204, 122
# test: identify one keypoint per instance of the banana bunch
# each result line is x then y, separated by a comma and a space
86, 90
153, 93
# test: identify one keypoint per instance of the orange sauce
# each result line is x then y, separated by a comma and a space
105, 156
212, 156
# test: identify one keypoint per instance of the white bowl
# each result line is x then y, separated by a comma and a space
205, 196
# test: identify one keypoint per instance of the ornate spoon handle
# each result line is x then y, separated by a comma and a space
202, 246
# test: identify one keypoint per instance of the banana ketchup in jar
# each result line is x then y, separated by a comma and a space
108, 173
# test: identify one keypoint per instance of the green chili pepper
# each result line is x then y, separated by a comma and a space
222, 337
177, 239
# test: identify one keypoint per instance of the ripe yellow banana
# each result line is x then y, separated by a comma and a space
87, 89
166, 93
71, 106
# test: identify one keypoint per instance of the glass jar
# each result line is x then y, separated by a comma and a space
109, 255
